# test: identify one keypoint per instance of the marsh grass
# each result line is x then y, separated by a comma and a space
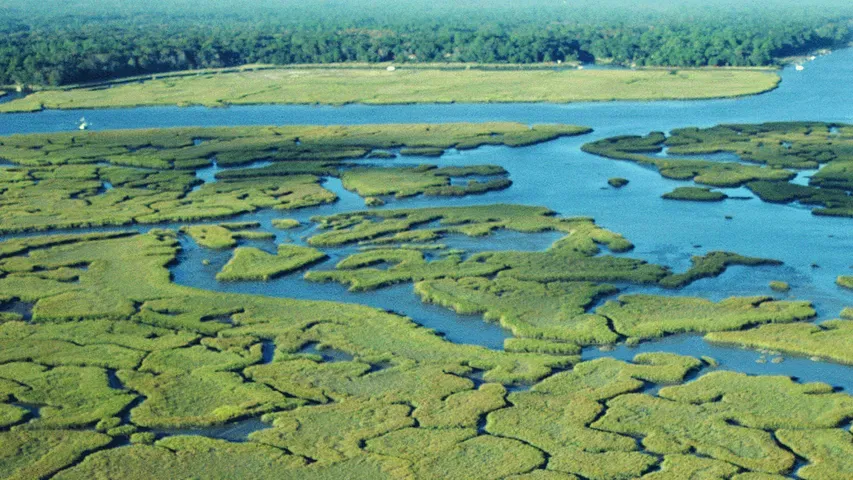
254, 264
123, 350
769, 154
59, 178
404, 86
695, 194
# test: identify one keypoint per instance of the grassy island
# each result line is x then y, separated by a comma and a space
376, 85
767, 157
695, 194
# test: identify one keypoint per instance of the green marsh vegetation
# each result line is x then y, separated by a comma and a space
845, 281
60, 179
371, 85
770, 154
830, 340
696, 194
225, 235
254, 264
403, 405
617, 182
542, 297
285, 223
116, 353
425, 179
648, 316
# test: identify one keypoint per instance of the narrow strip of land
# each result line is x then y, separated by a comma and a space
337, 86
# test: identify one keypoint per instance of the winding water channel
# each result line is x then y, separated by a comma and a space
560, 176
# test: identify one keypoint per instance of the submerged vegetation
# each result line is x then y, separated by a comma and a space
769, 155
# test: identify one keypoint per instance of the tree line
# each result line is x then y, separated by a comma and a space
59, 53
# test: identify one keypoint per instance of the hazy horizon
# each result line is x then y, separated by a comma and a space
385, 10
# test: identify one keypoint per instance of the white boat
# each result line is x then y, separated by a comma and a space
800, 68
83, 124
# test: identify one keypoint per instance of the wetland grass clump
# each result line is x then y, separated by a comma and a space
285, 223
225, 235
711, 265
845, 282
332, 85
59, 179
26, 454
828, 452
186, 457
780, 286
649, 316
555, 310
115, 346
832, 339
767, 158
617, 182
249, 263
425, 179
695, 194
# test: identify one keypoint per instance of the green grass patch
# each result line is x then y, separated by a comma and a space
695, 194
536, 310
254, 264
404, 86
285, 223
617, 182
27, 454
648, 316
712, 265
831, 340
60, 179
768, 156
187, 457
827, 451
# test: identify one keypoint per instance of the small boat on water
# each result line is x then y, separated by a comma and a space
800, 67
83, 124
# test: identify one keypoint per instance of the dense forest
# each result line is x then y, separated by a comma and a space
69, 46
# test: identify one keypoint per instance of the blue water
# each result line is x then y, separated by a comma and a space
560, 176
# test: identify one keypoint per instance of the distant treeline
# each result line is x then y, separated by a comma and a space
59, 52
